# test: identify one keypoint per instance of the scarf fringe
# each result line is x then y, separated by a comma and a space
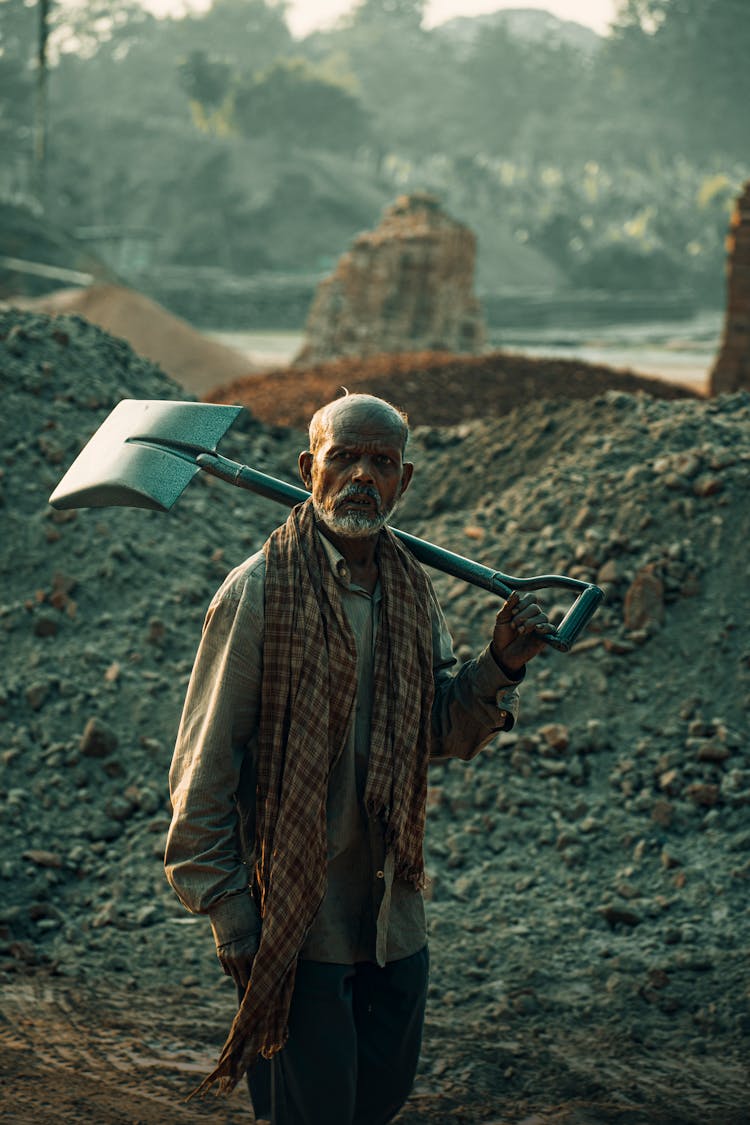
235, 1059
221, 1074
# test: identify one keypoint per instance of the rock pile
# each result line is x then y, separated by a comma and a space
732, 369
101, 611
406, 286
589, 870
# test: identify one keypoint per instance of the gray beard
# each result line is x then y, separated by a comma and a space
353, 525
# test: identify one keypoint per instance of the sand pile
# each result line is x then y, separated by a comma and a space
191, 359
589, 872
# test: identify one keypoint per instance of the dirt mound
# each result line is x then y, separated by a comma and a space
434, 388
589, 871
191, 359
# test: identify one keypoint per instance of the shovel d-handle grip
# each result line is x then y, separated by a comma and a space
570, 628
575, 621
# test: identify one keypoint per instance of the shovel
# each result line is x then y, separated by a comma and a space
146, 452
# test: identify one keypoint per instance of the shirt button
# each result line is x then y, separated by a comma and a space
380, 874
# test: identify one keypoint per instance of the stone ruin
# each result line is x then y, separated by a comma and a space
406, 286
731, 372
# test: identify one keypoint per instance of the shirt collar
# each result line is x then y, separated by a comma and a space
340, 567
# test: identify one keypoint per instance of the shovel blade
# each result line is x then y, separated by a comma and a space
143, 455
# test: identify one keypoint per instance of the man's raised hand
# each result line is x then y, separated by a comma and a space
519, 631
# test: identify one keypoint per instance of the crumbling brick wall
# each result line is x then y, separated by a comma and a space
731, 372
406, 286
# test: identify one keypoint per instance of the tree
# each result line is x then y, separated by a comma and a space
295, 104
500, 75
398, 68
249, 33
17, 46
87, 27
40, 108
516, 94
206, 81
408, 13
685, 64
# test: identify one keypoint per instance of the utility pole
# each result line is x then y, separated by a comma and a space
40, 109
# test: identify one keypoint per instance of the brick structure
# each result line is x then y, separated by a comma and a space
406, 286
731, 372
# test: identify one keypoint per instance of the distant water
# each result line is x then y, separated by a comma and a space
681, 351
273, 348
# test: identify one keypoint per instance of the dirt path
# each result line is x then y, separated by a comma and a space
77, 1054
70, 1054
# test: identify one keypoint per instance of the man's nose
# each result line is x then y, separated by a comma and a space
362, 470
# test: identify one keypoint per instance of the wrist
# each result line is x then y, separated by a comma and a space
233, 918
515, 675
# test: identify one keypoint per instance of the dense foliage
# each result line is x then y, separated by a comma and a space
596, 163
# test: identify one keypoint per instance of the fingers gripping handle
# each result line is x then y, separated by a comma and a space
576, 619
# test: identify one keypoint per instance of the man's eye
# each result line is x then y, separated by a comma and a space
383, 460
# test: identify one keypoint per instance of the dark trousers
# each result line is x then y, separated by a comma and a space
355, 1033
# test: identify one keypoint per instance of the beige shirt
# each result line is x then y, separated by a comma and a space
365, 914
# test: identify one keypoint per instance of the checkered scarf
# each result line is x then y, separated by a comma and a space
308, 692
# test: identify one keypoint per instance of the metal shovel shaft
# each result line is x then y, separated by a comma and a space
430, 554
146, 452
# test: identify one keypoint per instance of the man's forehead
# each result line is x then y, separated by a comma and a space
364, 424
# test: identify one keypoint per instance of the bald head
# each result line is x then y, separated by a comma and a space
355, 465
354, 410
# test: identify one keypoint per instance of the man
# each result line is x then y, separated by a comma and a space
324, 683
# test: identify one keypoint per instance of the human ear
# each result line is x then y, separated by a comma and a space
305, 468
406, 475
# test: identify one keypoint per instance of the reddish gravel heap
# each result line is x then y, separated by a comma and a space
435, 388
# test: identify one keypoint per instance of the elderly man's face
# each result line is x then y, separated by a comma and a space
357, 474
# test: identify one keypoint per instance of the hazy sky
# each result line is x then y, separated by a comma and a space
305, 15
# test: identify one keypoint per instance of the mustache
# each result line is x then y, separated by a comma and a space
351, 490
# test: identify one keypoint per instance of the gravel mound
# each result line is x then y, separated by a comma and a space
589, 872
434, 388
102, 610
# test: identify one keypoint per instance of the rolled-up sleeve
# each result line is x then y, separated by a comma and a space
472, 702
204, 859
